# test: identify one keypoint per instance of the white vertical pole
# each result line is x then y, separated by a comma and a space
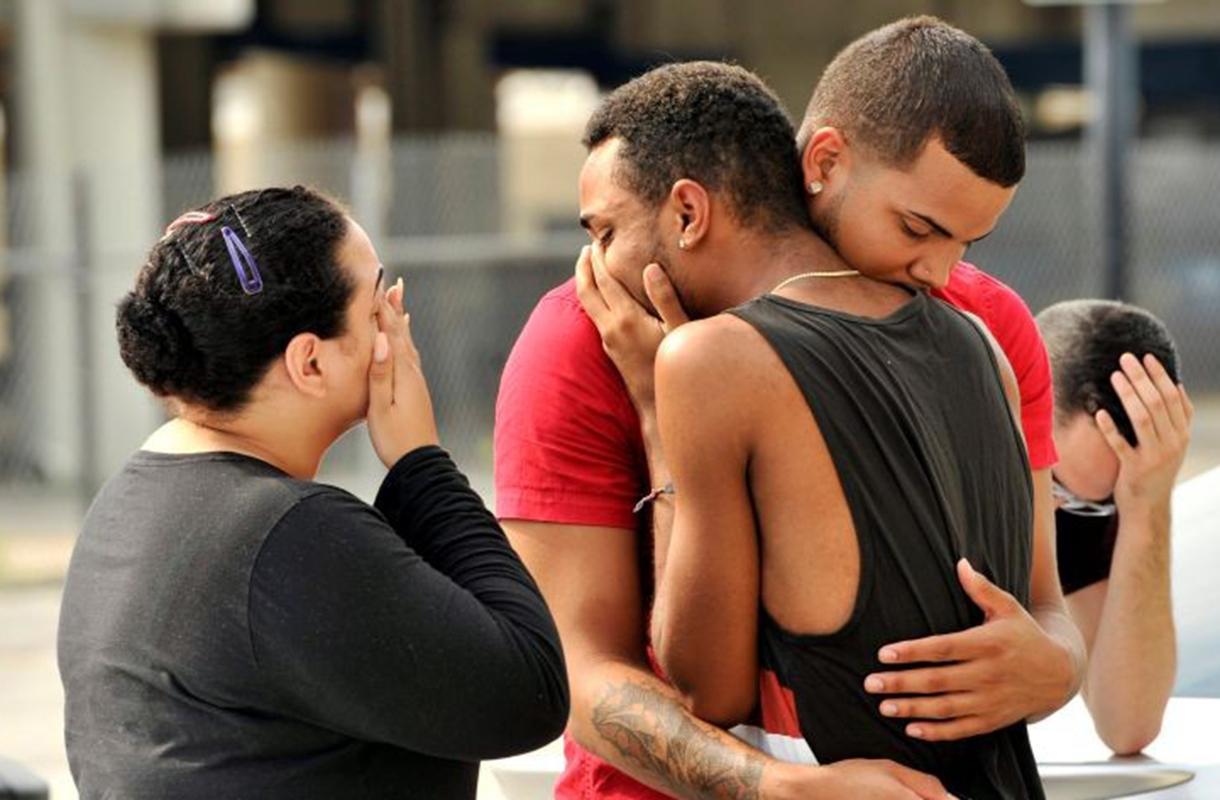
44, 163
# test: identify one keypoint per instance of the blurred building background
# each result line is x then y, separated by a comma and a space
451, 128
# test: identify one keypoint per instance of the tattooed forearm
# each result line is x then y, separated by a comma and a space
651, 730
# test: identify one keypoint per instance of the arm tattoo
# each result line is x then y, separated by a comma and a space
651, 731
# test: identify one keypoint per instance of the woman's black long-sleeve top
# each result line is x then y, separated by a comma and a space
228, 631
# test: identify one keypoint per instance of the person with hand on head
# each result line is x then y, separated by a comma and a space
231, 627
1122, 426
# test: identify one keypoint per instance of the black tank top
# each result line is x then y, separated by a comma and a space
933, 469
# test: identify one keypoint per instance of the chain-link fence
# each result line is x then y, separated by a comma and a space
26, 272
435, 209
1047, 244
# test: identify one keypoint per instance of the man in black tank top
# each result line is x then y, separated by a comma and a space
841, 448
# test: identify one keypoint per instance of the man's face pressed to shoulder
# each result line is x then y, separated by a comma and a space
616, 218
906, 225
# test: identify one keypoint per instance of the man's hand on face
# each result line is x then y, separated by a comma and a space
1160, 412
630, 334
977, 680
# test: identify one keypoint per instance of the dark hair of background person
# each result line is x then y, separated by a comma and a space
714, 123
188, 330
1085, 339
897, 87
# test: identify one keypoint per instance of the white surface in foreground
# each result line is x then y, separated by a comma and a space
1196, 583
1189, 735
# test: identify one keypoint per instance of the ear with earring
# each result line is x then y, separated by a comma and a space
816, 187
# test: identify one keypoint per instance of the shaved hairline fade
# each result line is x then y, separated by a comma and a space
894, 89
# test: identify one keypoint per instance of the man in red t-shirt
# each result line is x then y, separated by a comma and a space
571, 464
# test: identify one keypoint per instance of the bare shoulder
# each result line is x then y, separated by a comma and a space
722, 342
713, 373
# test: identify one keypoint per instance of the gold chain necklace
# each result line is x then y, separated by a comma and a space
842, 273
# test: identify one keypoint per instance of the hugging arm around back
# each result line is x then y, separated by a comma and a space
568, 466
708, 598
621, 711
634, 720
1020, 663
1049, 662
553, 465
705, 620
1046, 601
1047, 604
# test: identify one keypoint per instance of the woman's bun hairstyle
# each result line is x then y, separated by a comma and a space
226, 289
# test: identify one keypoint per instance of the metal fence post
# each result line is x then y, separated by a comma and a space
1112, 75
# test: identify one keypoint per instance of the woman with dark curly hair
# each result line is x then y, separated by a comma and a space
231, 628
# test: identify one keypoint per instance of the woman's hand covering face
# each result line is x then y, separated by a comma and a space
400, 417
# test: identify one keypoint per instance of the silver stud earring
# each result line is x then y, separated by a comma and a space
816, 187
681, 244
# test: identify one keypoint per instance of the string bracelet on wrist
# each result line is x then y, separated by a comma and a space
652, 496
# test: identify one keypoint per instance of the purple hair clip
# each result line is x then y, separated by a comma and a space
243, 262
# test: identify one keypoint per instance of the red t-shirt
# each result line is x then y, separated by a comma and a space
568, 447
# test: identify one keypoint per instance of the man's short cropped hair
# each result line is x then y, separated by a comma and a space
894, 89
713, 123
1085, 339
